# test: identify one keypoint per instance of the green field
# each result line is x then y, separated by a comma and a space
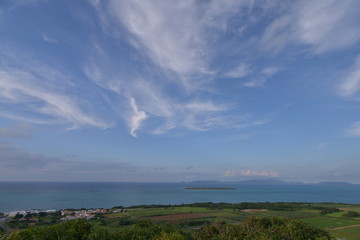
193, 216
309, 213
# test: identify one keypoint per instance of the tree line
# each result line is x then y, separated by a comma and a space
260, 228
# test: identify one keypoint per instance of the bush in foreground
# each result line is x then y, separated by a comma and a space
264, 228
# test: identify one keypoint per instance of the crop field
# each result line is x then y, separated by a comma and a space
338, 226
330, 222
327, 216
194, 217
178, 217
149, 212
190, 217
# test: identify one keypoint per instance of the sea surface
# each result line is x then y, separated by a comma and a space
31, 195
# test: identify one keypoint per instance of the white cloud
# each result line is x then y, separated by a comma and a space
324, 25
256, 82
259, 79
278, 34
321, 146
170, 34
208, 106
354, 131
351, 82
241, 71
249, 173
328, 24
269, 71
173, 40
25, 88
136, 118
48, 39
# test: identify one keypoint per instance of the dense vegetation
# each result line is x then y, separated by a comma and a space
275, 206
351, 214
329, 210
2, 231
270, 228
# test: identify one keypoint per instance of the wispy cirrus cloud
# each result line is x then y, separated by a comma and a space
19, 87
328, 25
241, 71
322, 25
41, 93
354, 130
322, 146
172, 40
350, 84
259, 79
49, 39
169, 33
160, 71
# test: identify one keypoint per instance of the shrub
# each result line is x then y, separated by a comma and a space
351, 214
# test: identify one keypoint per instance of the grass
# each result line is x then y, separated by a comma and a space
115, 215
149, 212
330, 222
349, 233
336, 214
112, 222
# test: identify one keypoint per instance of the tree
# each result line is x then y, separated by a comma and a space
76, 230
351, 214
262, 228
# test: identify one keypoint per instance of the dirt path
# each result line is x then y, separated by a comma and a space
351, 226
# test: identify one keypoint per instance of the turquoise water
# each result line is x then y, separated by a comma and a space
18, 196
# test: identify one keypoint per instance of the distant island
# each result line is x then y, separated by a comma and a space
210, 188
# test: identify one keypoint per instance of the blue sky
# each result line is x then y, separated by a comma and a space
95, 90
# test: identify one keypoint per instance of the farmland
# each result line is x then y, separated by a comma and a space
193, 216
327, 216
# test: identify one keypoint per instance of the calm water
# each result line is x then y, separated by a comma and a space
17, 196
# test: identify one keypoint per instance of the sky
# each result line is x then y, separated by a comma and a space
168, 91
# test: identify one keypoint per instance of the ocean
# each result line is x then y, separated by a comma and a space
52, 195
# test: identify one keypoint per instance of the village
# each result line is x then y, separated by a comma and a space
87, 213
25, 218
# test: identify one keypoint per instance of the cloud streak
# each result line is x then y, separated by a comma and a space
171, 39
322, 25
354, 131
241, 71
136, 118
42, 93
170, 33
17, 87
249, 173
351, 82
